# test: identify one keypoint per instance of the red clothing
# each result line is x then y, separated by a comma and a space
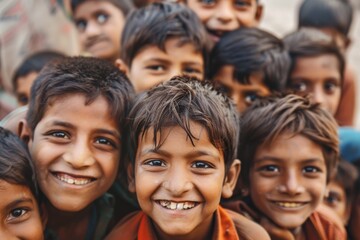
317, 227
228, 226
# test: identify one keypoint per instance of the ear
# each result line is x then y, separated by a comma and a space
131, 178
121, 65
259, 12
231, 179
25, 132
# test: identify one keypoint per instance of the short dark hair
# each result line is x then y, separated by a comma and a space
308, 42
335, 14
346, 176
156, 23
270, 117
16, 166
34, 63
252, 50
125, 6
89, 76
179, 102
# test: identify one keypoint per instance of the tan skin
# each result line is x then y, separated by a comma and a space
76, 159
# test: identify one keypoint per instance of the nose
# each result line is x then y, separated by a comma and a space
92, 29
318, 95
225, 12
80, 155
291, 184
177, 182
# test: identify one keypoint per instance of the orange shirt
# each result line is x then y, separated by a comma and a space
138, 226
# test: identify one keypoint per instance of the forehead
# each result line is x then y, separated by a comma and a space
285, 149
10, 192
88, 8
325, 61
174, 49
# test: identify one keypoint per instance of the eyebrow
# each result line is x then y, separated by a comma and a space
276, 159
192, 154
116, 134
18, 201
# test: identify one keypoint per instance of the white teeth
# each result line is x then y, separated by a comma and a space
177, 205
74, 181
289, 204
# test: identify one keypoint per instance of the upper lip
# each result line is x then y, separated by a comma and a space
74, 175
93, 40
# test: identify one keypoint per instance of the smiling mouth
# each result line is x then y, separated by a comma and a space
177, 205
66, 178
290, 204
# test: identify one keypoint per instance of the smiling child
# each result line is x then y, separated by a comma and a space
182, 147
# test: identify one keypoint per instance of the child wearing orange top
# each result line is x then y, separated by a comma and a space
182, 147
289, 151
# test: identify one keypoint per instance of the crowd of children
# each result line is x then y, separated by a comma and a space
184, 120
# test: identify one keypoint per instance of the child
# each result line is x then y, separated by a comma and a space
221, 16
341, 191
20, 217
160, 41
182, 163
74, 128
27, 72
249, 63
289, 151
334, 17
317, 67
99, 24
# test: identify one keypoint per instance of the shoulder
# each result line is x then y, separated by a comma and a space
246, 228
326, 224
127, 228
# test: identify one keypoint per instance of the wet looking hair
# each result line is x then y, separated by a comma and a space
251, 50
16, 166
91, 77
268, 118
179, 102
157, 23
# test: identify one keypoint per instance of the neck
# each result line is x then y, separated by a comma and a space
68, 225
298, 233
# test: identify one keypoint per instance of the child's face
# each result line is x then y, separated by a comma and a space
336, 200
242, 94
23, 88
152, 65
288, 180
99, 24
179, 185
220, 16
319, 76
76, 151
20, 218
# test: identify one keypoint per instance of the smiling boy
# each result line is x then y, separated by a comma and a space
289, 151
99, 25
317, 67
160, 41
74, 128
181, 162
221, 16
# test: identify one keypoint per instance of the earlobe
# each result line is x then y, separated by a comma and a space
24, 131
259, 13
231, 179
131, 179
120, 64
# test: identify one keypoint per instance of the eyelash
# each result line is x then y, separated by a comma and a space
10, 216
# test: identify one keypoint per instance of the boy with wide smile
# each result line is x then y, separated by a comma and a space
181, 163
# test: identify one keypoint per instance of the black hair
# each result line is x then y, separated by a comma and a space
336, 14
252, 50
